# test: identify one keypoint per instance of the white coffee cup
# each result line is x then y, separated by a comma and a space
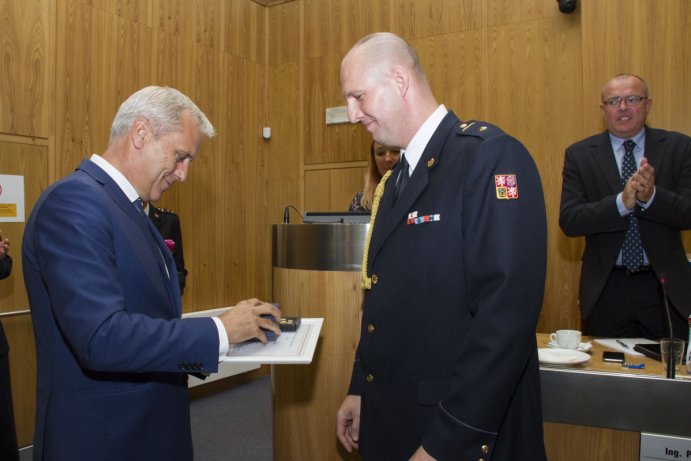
566, 339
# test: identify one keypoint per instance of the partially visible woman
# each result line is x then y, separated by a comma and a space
382, 159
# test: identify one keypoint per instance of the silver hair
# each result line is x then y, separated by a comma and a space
162, 107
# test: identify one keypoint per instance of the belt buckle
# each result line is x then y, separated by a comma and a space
639, 270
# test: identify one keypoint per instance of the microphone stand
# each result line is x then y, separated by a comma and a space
670, 355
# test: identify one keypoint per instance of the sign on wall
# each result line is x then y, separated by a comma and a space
11, 198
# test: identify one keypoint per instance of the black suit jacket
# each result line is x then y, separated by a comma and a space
447, 354
168, 225
591, 182
8, 437
5, 270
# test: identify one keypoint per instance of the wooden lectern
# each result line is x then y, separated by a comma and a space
316, 273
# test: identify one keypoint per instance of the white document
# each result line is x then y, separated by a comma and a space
624, 344
289, 348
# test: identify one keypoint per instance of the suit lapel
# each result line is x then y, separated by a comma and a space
150, 235
654, 148
603, 156
391, 215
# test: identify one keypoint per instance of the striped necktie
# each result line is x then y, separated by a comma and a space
403, 176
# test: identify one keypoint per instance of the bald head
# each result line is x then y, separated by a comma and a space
382, 50
386, 88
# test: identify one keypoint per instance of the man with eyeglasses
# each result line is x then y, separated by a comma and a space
628, 191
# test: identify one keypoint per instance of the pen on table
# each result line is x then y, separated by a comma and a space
622, 344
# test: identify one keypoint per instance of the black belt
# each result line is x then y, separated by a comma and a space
640, 271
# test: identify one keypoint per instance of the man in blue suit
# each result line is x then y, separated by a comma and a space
113, 352
446, 367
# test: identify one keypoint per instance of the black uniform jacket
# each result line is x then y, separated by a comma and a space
168, 225
447, 356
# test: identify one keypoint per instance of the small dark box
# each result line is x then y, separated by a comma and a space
289, 323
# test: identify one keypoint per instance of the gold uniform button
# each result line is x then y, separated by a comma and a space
481, 459
375, 279
485, 449
370, 328
370, 378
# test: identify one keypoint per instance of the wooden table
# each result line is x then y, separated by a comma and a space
587, 406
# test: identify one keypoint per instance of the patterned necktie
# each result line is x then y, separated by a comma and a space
402, 177
632, 249
139, 205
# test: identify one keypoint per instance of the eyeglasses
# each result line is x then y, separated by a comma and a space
629, 100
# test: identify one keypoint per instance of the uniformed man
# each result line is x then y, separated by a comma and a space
168, 225
454, 271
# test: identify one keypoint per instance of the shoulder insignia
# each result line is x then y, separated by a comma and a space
477, 128
165, 210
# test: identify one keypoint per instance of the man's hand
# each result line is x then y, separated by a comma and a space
243, 322
644, 181
348, 422
4, 247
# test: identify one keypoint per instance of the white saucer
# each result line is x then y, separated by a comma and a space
583, 347
561, 356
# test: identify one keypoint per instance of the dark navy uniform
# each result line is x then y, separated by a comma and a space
168, 225
447, 357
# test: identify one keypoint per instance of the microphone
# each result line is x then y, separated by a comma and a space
286, 215
670, 356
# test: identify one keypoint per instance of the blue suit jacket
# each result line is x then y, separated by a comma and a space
447, 354
112, 349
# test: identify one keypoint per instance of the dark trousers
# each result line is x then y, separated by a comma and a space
631, 307
8, 435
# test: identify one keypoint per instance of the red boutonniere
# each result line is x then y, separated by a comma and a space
170, 243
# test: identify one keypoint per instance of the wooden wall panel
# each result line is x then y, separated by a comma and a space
333, 26
244, 29
26, 73
503, 12
332, 143
285, 35
566, 442
426, 18
285, 173
455, 65
332, 189
86, 98
533, 92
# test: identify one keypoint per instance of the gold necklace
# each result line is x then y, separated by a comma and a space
378, 192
